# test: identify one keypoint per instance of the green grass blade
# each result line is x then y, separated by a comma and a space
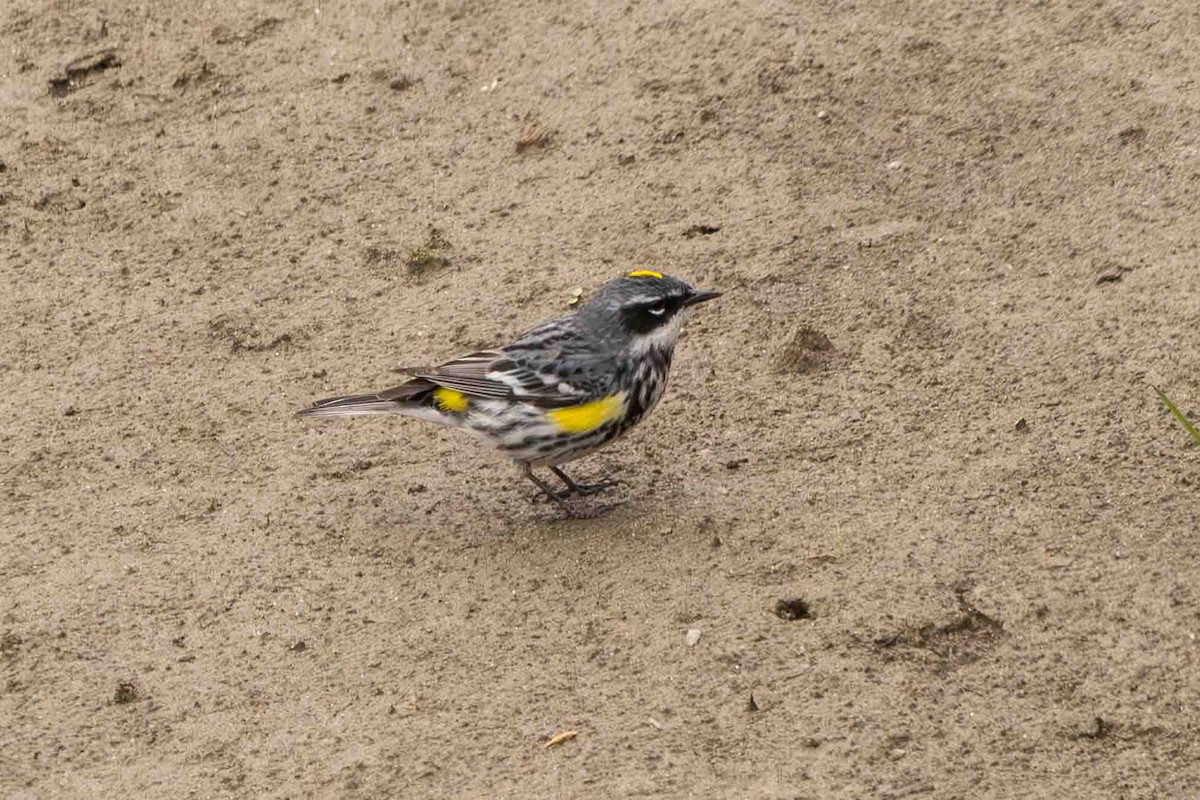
1183, 420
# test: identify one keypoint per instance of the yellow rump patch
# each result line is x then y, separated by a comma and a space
644, 273
449, 400
588, 416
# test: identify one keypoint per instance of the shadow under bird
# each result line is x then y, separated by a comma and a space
559, 392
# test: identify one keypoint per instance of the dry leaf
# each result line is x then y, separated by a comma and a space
560, 738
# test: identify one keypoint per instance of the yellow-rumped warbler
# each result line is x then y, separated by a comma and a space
559, 392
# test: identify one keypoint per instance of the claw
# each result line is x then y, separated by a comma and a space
583, 488
563, 499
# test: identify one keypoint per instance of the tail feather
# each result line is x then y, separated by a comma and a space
410, 399
354, 405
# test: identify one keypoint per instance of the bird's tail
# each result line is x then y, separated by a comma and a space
351, 405
411, 399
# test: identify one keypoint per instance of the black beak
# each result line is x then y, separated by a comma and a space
700, 296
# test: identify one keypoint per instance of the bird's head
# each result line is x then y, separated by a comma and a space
647, 307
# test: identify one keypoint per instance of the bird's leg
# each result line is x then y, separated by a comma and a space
527, 471
583, 488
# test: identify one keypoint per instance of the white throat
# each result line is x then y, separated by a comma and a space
661, 338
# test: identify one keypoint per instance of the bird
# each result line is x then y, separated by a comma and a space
560, 391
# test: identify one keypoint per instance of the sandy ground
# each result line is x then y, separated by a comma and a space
959, 244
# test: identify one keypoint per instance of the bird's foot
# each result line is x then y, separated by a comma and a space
583, 488
563, 499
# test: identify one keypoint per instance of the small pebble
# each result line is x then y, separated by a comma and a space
693, 636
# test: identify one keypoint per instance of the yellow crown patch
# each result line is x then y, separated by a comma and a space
644, 273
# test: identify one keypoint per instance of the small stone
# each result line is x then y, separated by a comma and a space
126, 693
1022, 425
1112, 273
298, 647
894, 165
693, 636
823, 115
752, 706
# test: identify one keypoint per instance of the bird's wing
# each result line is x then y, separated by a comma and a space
469, 375
550, 366
559, 364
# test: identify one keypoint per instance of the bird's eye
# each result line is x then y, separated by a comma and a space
657, 310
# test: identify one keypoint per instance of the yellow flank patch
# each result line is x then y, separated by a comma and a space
449, 400
587, 416
644, 273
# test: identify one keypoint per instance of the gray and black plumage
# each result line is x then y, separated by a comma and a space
559, 392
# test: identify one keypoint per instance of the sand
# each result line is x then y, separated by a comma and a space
909, 483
